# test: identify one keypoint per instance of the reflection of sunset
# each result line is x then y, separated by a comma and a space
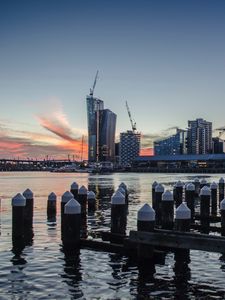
147, 151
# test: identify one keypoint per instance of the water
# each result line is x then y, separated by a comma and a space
43, 271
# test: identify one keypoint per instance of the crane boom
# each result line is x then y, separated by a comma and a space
133, 124
93, 88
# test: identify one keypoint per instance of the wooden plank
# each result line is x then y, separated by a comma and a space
102, 246
181, 241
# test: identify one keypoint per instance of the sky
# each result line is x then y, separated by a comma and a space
165, 57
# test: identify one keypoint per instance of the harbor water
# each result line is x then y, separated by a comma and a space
43, 271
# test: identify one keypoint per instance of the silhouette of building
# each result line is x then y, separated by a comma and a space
218, 145
129, 147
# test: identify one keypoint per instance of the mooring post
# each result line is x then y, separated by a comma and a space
145, 222
29, 208
167, 210
74, 189
82, 199
179, 193
18, 216
221, 189
155, 183
159, 190
197, 187
51, 206
123, 185
65, 198
190, 198
205, 195
71, 235
91, 200
203, 183
222, 213
182, 217
118, 213
213, 188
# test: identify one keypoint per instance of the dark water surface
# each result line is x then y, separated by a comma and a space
42, 271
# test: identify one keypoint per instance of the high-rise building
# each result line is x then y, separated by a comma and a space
218, 145
129, 147
199, 139
173, 145
101, 130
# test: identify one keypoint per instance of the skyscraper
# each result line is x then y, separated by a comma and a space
129, 147
199, 138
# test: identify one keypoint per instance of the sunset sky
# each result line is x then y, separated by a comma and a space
166, 58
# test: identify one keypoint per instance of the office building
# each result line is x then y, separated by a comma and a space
218, 145
129, 147
173, 145
199, 138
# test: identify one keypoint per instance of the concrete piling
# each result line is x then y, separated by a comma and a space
197, 186
179, 193
146, 218
29, 208
18, 216
159, 190
71, 234
65, 198
118, 213
91, 201
123, 185
190, 198
221, 189
51, 207
167, 210
213, 188
74, 189
155, 183
82, 199
182, 218
205, 195
203, 183
222, 213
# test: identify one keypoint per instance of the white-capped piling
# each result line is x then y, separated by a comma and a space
146, 218
178, 197
155, 183
71, 234
167, 210
65, 198
222, 213
190, 198
213, 188
29, 208
51, 206
197, 186
182, 217
159, 190
221, 189
124, 186
118, 213
74, 189
203, 183
82, 199
91, 197
205, 195
18, 216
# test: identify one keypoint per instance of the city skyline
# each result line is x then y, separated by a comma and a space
165, 59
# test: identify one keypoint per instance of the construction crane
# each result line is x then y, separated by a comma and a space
133, 124
93, 88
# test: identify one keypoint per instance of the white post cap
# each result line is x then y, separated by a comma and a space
222, 204
203, 181
179, 184
52, 197
167, 196
91, 195
66, 197
155, 183
82, 190
74, 186
159, 188
19, 200
213, 185
118, 198
121, 190
28, 194
221, 180
146, 213
72, 207
196, 180
123, 185
183, 212
190, 187
205, 191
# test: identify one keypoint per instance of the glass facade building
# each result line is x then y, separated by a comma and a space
129, 147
